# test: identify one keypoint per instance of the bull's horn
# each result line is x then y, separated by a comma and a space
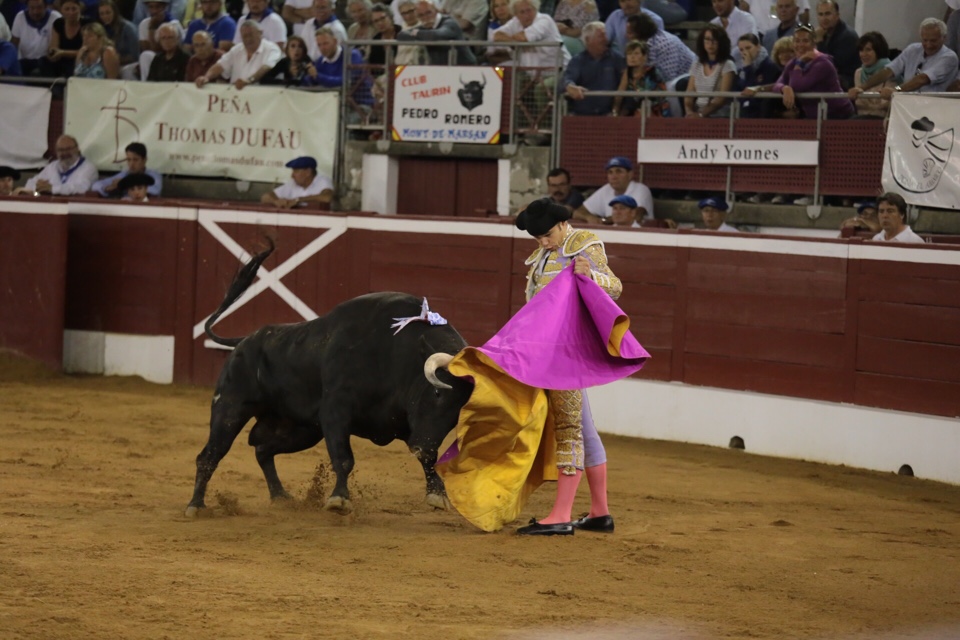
461, 80
430, 367
484, 81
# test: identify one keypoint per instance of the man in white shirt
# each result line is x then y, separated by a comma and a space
597, 207
624, 212
245, 64
735, 22
528, 25
70, 174
31, 34
272, 25
160, 15
892, 212
714, 214
323, 16
305, 186
765, 12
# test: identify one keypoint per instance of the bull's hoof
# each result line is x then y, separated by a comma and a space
192, 512
338, 505
282, 496
439, 501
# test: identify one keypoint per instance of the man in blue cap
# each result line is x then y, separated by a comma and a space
714, 212
624, 211
305, 187
866, 218
620, 182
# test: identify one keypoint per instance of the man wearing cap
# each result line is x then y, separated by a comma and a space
624, 211
304, 187
135, 187
8, 178
714, 213
866, 218
136, 153
597, 207
70, 174
892, 212
247, 64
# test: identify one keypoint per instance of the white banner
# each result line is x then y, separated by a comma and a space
216, 131
723, 151
447, 104
26, 118
919, 161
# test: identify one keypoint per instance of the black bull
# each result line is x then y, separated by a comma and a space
339, 375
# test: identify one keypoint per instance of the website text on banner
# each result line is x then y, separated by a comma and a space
26, 116
920, 160
447, 104
724, 151
216, 131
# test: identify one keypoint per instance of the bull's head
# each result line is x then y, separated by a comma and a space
434, 362
471, 95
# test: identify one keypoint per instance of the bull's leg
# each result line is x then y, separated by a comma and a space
336, 430
227, 419
425, 450
285, 439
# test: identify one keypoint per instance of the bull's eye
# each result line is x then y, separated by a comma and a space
436, 392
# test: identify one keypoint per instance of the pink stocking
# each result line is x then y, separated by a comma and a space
566, 492
597, 479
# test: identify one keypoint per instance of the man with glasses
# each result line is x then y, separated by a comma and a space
70, 174
436, 26
767, 12
560, 191
840, 41
221, 27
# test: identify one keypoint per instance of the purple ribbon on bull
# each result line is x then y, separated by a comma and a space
425, 316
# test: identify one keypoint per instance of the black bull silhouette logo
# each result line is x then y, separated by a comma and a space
471, 95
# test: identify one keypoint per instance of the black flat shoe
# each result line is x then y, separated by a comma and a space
537, 529
599, 523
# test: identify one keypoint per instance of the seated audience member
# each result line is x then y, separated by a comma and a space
97, 58
304, 187
811, 72
714, 70
892, 214
9, 62
329, 69
272, 26
620, 182
874, 54
8, 180
170, 65
500, 14
68, 175
245, 64
560, 190
296, 12
734, 22
470, 15
4, 23
66, 39
714, 214
783, 52
571, 17
435, 26
757, 73
838, 40
121, 31
624, 212
141, 10
147, 32
596, 68
529, 25
323, 16
362, 27
136, 155
670, 11
292, 69
766, 13
220, 26
203, 58
387, 29
135, 187
953, 32
616, 24
787, 12
31, 33
925, 66
668, 53
409, 54
866, 218
638, 77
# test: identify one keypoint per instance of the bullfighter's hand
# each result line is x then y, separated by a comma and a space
581, 266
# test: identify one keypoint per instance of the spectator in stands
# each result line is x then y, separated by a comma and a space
247, 64
561, 191
362, 27
469, 14
409, 54
31, 34
305, 186
620, 182
205, 55
292, 70
670, 11
668, 53
382, 18
714, 214
758, 71
529, 25
97, 58
500, 14
70, 174
640, 76
9, 62
766, 13
8, 178
121, 31
272, 26
617, 23
892, 213
66, 39
596, 68
135, 187
624, 211
221, 27
925, 66
571, 17
783, 52
838, 40
811, 72
787, 12
136, 155
323, 16
952, 18
5, 24
147, 31
865, 219
330, 68
141, 11
714, 70
170, 65
874, 54
434, 26
296, 13
734, 21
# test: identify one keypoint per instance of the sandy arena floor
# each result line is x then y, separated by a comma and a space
710, 543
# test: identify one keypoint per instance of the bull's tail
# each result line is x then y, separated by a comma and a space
240, 283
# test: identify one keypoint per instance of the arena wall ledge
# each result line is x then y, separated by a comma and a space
834, 350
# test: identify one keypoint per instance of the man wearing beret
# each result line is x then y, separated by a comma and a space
304, 187
136, 155
620, 182
135, 187
8, 178
714, 213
